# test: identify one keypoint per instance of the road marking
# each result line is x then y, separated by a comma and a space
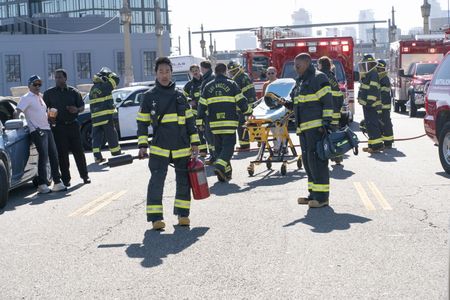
97, 204
363, 195
383, 202
88, 206
105, 202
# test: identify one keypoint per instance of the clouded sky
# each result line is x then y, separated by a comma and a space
222, 14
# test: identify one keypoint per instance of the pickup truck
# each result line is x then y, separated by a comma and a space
437, 106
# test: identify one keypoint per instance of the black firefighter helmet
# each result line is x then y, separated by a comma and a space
367, 64
381, 67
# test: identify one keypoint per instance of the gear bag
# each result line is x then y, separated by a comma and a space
337, 143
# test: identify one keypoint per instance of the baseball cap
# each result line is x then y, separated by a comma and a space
34, 78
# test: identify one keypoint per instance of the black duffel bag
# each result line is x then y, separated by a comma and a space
334, 144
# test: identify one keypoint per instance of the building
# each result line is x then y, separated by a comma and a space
245, 40
381, 35
365, 15
349, 31
302, 17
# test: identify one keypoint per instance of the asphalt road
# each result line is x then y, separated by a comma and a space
384, 235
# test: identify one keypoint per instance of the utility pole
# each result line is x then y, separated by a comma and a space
425, 8
189, 41
202, 43
393, 27
158, 28
179, 45
374, 40
125, 14
211, 47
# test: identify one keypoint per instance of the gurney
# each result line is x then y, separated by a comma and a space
269, 128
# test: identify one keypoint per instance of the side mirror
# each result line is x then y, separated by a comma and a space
356, 76
140, 98
118, 100
401, 73
14, 124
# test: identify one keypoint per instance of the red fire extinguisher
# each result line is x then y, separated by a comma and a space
197, 179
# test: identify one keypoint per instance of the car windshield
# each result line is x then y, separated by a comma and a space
281, 88
289, 71
425, 69
122, 94
180, 77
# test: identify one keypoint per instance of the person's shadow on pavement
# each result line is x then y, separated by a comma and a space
325, 220
158, 245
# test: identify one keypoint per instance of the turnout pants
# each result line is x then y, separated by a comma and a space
316, 169
209, 137
98, 136
46, 148
387, 130
244, 140
158, 168
373, 127
224, 144
68, 139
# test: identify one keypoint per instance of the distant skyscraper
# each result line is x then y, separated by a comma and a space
302, 17
349, 31
332, 31
365, 15
245, 41
436, 10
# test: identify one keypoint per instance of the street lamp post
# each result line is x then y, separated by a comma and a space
125, 15
425, 8
158, 28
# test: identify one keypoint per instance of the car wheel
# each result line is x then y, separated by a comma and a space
412, 107
444, 147
4, 184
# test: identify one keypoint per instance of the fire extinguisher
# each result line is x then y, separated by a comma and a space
197, 179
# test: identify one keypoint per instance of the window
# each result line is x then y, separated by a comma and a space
83, 65
54, 62
120, 61
149, 61
12, 64
442, 77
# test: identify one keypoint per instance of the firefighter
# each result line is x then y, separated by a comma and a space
368, 97
220, 100
324, 65
102, 110
174, 140
313, 110
244, 82
208, 75
385, 94
192, 91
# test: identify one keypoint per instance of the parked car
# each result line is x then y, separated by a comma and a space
127, 102
437, 106
18, 155
413, 84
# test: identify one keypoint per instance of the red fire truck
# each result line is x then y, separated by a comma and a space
339, 49
255, 63
412, 63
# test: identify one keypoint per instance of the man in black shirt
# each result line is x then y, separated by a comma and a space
66, 130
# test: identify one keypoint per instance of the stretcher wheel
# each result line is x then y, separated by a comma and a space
299, 163
269, 165
283, 169
251, 169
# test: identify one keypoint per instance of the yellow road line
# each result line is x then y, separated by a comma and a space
104, 203
89, 205
363, 195
383, 202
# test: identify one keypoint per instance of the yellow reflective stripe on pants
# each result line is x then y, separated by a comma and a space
388, 138
182, 204
244, 143
181, 153
376, 141
373, 98
336, 115
103, 113
159, 151
142, 139
362, 102
324, 188
100, 123
95, 150
114, 149
216, 124
154, 209
98, 100
222, 163
169, 118
310, 185
224, 131
386, 106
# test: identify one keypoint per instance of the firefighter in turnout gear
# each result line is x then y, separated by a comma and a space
220, 101
192, 91
312, 103
208, 75
387, 132
244, 82
369, 98
324, 66
102, 110
174, 140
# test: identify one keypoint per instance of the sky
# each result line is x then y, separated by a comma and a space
224, 14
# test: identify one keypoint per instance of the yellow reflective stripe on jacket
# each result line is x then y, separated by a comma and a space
194, 138
370, 97
168, 118
224, 131
327, 113
216, 124
196, 94
246, 88
159, 151
103, 113
154, 209
323, 91
95, 124
305, 98
311, 124
189, 113
385, 89
186, 94
375, 84
377, 103
101, 99
144, 117
239, 97
182, 204
142, 140
199, 122
336, 115
113, 82
221, 99
376, 141
362, 102
221, 162
181, 153
248, 111
386, 106
321, 188
336, 93
203, 101
364, 86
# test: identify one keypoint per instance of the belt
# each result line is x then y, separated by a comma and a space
65, 122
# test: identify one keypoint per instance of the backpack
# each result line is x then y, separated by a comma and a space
337, 143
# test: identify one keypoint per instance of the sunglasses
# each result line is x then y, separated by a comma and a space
270, 73
37, 84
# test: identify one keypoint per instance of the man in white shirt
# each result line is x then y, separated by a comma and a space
35, 110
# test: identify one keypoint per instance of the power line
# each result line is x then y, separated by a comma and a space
62, 31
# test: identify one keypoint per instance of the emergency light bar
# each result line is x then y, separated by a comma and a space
289, 44
301, 44
432, 50
334, 43
405, 49
323, 43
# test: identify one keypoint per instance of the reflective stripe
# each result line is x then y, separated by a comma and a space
169, 118
182, 204
327, 113
142, 139
336, 93
186, 94
385, 89
203, 101
182, 120
224, 131
362, 102
114, 149
336, 115
195, 138
159, 151
144, 117
189, 113
95, 150
248, 111
103, 113
311, 124
199, 122
248, 87
196, 94
323, 91
101, 99
100, 123
305, 98
216, 124
244, 143
375, 84
181, 153
154, 209
221, 99
370, 97
376, 141
310, 185
113, 82
221, 162
335, 122
386, 106
364, 86
388, 138
324, 188
239, 97
202, 147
